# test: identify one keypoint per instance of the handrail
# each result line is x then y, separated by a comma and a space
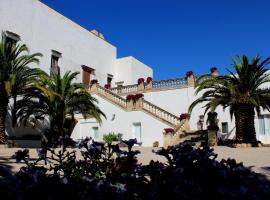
125, 89
170, 83
112, 96
161, 113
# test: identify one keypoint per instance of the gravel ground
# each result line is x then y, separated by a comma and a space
257, 158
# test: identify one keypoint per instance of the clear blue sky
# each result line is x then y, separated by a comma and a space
174, 36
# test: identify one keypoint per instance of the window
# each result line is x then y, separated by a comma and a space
264, 124
137, 131
86, 74
95, 133
109, 79
224, 127
55, 69
11, 37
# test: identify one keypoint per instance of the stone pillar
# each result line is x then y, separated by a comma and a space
141, 86
93, 87
212, 137
168, 139
214, 71
149, 85
191, 81
130, 105
139, 103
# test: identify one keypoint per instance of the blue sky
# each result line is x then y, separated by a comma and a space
175, 36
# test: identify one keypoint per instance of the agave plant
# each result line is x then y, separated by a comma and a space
15, 76
58, 99
243, 92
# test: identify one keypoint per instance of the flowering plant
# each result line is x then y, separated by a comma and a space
94, 81
107, 86
168, 130
184, 116
130, 97
148, 80
134, 97
140, 80
189, 73
213, 69
213, 127
138, 96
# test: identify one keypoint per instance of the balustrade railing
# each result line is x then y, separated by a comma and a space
146, 106
159, 112
125, 89
112, 96
170, 83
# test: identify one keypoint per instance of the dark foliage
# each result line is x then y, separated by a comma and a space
140, 80
189, 73
108, 172
149, 79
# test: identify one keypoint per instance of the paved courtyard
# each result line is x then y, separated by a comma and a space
257, 158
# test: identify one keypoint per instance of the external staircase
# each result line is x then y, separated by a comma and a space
141, 105
117, 97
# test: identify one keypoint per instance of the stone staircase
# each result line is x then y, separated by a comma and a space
141, 105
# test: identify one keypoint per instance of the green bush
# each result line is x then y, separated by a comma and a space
111, 137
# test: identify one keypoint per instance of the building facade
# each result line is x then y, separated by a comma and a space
66, 46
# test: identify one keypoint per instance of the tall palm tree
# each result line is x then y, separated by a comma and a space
58, 99
15, 76
243, 92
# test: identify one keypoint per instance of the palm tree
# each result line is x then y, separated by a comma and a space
58, 99
15, 76
243, 92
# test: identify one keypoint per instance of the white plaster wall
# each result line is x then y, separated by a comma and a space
43, 29
151, 128
177, 102
129, 69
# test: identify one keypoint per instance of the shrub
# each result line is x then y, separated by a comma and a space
112, 173
111, 137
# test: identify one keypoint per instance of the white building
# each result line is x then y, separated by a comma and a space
68, 46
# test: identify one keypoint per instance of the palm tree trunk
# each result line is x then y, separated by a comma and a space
3, 113
244, 121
